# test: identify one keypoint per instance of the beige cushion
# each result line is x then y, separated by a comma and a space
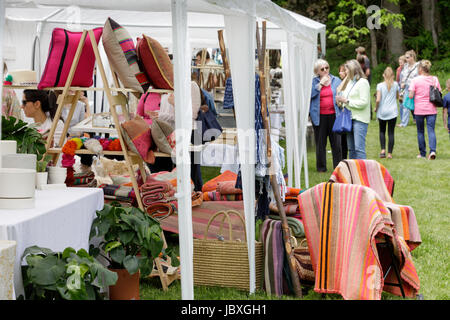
122, 56
160, 130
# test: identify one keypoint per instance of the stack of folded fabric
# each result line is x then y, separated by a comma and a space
290, 207
225, 191
294, 223
118, 192
84, 179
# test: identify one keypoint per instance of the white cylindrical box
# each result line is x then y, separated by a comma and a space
19, 160
17, 183
8, 147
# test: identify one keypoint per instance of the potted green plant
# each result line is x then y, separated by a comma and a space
41, 171
70, 275
130, 240
29, 140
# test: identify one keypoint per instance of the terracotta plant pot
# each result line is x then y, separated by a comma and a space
127, 286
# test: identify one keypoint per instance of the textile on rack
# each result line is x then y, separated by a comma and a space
154, 190
118, 192
272, 239
342, 225
217, 196
161, 210
83, 178
201, 215
227, 187
295, 223
372, 174
211, 185
290, 207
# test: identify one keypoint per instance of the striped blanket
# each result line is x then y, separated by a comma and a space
217, 196
369, 173
118, 192
272, 239
290, 207
372, 174
342, 224
294, 223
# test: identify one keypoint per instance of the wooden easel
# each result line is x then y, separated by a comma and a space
118, 99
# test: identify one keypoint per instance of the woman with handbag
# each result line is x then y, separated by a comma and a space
323, 111
421, 90
356, 98
386, 109
410, 71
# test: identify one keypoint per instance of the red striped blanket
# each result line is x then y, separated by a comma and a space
342, 224
372, 174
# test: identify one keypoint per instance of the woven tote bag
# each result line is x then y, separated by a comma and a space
224, 263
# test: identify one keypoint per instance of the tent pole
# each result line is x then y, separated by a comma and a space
275, 188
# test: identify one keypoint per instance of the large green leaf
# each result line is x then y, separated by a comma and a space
131, 263
126, 236
117, 254
111, 245
48, 271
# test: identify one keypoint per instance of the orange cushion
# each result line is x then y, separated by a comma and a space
155, 62
211, 185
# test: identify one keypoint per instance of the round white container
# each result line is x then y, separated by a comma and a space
41, 179
19, 160
26, 203
17, 183
8, 147
57, 175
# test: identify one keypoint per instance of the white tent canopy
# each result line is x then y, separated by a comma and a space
182, 25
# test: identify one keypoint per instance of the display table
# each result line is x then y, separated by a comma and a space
60, 219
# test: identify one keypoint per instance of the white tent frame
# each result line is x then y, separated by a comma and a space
295, 35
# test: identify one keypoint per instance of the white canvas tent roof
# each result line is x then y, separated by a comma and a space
182, 25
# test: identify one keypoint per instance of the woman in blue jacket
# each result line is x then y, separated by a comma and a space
323, 111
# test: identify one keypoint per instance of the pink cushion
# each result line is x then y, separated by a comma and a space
149, 101
63, 47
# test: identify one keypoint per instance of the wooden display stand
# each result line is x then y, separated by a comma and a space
117, 99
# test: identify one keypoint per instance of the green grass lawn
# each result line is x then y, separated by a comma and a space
420, 183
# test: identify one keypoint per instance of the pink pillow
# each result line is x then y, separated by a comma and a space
149, 101
63, 47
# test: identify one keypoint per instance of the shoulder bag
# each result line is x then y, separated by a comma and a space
343, 122
436, 96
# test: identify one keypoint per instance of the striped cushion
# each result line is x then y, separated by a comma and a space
155, 62
63, 47
122, 56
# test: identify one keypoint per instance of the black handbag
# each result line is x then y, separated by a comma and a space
436, 96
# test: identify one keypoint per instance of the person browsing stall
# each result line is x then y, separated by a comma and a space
323, 111
356, 98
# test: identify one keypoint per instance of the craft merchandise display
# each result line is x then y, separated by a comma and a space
225, 263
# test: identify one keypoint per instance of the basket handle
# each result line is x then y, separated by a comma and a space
226, 215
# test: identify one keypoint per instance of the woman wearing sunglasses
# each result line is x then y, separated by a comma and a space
323, 111
41, 106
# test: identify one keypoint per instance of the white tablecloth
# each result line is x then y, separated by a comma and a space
61, 218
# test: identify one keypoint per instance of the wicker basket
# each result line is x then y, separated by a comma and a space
225, 263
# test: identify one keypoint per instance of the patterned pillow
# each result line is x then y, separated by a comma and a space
122, 56
155, 62
160, 131
63, 47
138, 137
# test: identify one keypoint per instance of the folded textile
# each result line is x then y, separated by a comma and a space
197, 198
227, 187
216, 196
272, 239
290, 207
83, 178
295, 224
211, 185
161, 210
124, 193
342, 225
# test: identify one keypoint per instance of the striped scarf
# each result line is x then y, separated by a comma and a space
342, 224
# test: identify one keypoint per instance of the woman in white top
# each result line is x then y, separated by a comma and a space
77, 117
410, 71
386, 109
41, 106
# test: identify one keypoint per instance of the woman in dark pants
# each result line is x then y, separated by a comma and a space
323, 111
